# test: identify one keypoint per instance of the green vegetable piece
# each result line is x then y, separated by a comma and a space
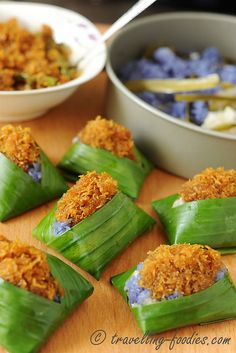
49, 81
20, 78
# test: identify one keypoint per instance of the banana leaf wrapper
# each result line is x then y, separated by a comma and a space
129, 174
209, 222
27, 320
96, 240
20, 193
213, 304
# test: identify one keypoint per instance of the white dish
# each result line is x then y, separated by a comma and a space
69, 28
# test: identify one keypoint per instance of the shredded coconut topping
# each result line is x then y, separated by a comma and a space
181, 268
210, 184
89, 193
27, 267
17, 144
108, 135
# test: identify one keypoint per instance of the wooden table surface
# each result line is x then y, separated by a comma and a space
105, 310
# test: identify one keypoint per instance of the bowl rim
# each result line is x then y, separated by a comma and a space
72, 83
121, 87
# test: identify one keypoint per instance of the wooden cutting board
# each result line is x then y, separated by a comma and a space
105, 310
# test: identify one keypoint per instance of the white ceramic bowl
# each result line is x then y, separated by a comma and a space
70, 28
174, 145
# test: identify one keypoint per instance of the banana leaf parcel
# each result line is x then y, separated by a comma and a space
129, 174
211, 222
19, 192
27, 319
96, 240
213, 304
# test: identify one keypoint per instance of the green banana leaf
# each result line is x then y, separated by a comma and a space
96, 240
20, 193
209, 222
27, 320
215, 303
129, 174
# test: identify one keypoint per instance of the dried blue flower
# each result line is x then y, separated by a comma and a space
61, 227
34, 170
198, 112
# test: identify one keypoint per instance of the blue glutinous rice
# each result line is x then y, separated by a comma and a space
126, 70
165, 57
174, 295
173, 66
198, 112
57, 298
148, 70
220, 274
137, 294
34, 170
228, 73
61, 227
210, 90
166, 64
150, 98
141, 69
201, 68
157, 100
178, 109
180, 69
141, 296
211, 54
